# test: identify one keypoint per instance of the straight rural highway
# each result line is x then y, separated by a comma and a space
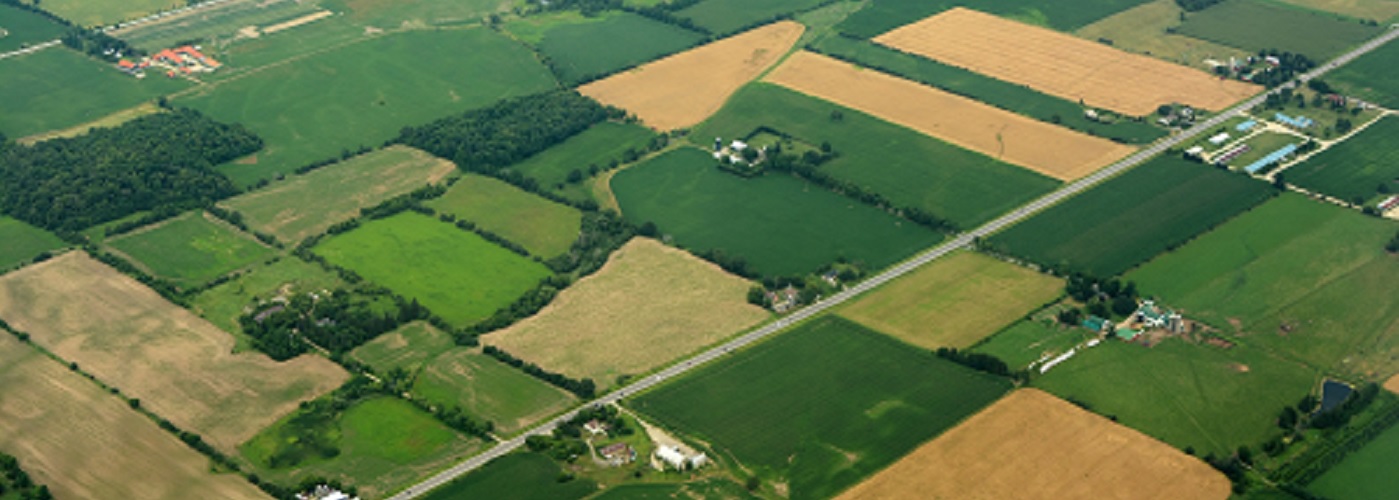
960, 241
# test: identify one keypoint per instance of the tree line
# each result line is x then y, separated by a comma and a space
584, 389
1196, 5
18, 483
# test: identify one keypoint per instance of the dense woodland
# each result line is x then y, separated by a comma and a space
338, 322
15, 483
155, 162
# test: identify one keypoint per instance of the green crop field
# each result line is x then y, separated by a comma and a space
1361, 168
58, 88
1373, 77
1031, 340
822, 406
706, 488
1004, 95
94, 14
544, 228
778, 224
599, 146
394, 13
22, 28
23, 242
214, 26
591, 47
454, 273
1131, 218
362, 94
223, 304
1301, 277
1367, 473
1188, 395
410, 347
884, 15
1255, 25
723, 17
305, 205
487, 388
908, 168
520, 476
385, 444
190, 249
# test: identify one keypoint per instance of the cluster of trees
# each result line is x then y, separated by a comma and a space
982, 362
1317, 460
97, 44
809, 287
1196, 5
1105, 298
1393, 245
566, 442
161, 161
337, 322
584, 388
665, 12
1289, 66
16, 482
486, 140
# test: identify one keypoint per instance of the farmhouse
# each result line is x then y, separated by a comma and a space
1097, 325
1219, 138
595, 427
677, 459
1388, 203
323, 492
618, 454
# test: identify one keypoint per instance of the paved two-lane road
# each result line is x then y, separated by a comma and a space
958, 242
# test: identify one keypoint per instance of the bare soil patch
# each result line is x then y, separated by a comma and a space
1032, 445
682, 90
179, 365
1392, 385
86, 443
306, 19
1062, 65
647, 306
1048, 149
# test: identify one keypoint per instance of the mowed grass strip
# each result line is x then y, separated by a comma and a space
630, 39
1373, 77
58, 88
907, 168
722, 17
362, 94
305, 205
1301, 277
684, 89
955, 302
822, 406
648, 305
23, 242
1270, 26
1048, 149
191, 249
599, 146
778, 224
1034, 445
521, 476
57, 422
489, 389
410, 347
454, 273
880, 16
543, 227
180, 367
1133, 217
1361, 168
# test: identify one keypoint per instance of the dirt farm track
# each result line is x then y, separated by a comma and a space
1062, 65
1033, 445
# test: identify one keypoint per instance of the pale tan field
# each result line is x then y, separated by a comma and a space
954, 302
684, 89
1392, 384
1142, 30
1048, 149
1376, 10
179, 365
109, 121
1032, 445
1062, 65
83, 442
286, 25
647, 306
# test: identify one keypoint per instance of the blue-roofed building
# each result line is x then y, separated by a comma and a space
1096, 324
1281, 153
1246, 126
1297, 122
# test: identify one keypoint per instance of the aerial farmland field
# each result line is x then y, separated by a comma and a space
647, 306
573, 45
780, 225
363, 93
223, 304
397, 13
216, 25
955, 302
684, 89
520, 476
58, 88
1133, 217
410, 347
1149, 29
1031, 340
98, 14
908, 168
880, 16
1361, 168
1063, 65
1374, 10
822, 406
456, 274
22, 28
1373, 77
180, 366
1048, 149
1314, 287
599, 146
705, 488
723, 17
307, 204
1364, 473
1270, 26
23, 242
1033, 445
544, 228
58, 423
191, 249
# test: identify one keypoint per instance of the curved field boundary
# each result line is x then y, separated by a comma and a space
1048, 149
1062, 65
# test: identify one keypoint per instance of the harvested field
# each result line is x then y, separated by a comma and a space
1048, 149
1034, 445
180, 366
1062, 65
286, 25
648, 305
82, 442
684, 89
1392, 385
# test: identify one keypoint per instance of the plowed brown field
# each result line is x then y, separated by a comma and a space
1032, 445
684, 89
1048, 149
1062, 65
180, 366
